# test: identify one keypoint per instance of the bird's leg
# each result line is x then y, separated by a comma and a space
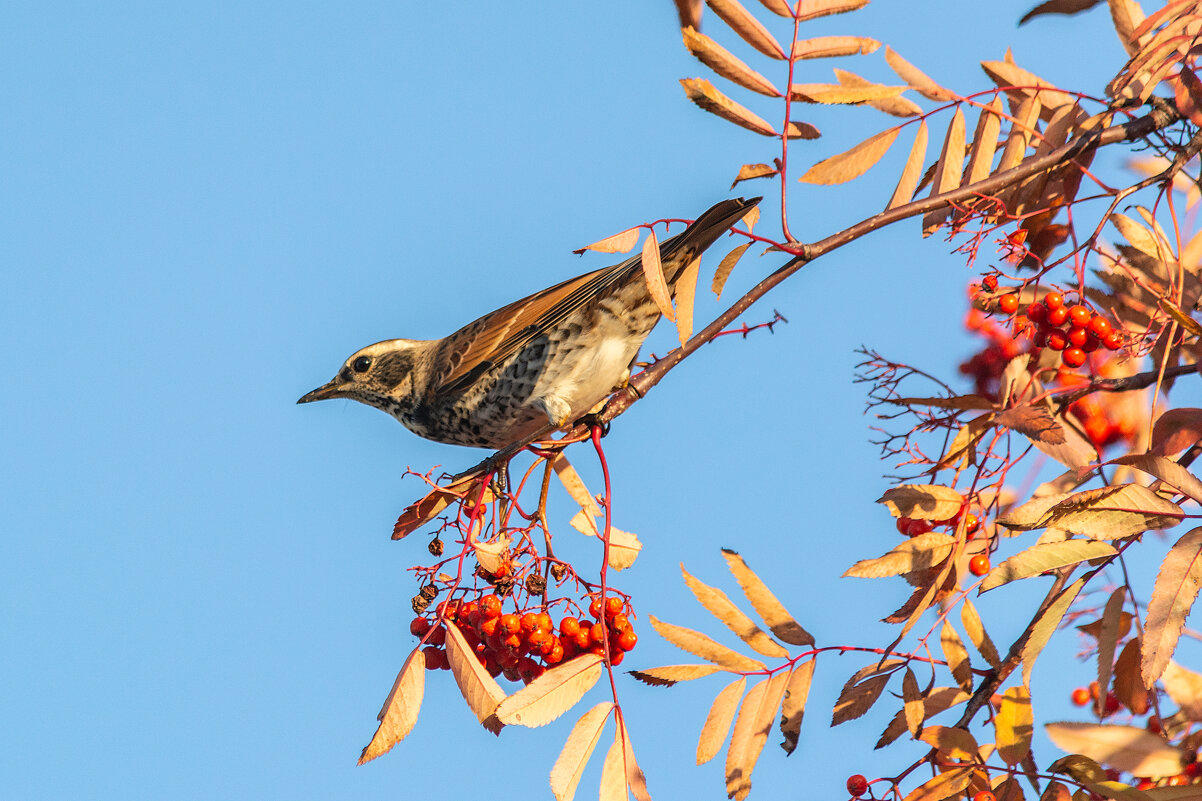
500, 489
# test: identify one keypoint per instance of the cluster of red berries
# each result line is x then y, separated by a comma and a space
913, 526
1074, 330
522, 647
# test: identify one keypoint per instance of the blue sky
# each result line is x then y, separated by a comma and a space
207, 206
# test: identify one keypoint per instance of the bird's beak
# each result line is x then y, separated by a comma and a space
333, 389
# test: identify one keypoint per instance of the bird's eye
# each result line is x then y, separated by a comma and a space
361, 364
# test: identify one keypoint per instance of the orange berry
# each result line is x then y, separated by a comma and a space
627, 640
545, 622
569, 626
1080, 315
1037, 312
1113, 340
979, 565
1094, 690
989, 283
489, 626
1073, 357
597, 634
616, 657
1057, 316
511, 624
613, 606
857, 785
584, 637
1100, 326
490, 605
971, 524
984, 795
1078, 336
594, 608
537, 637
1008, 303
513, 641
1053, 300
620, 623
556, 654
1081, 696
529, 622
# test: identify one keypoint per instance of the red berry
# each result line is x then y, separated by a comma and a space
1057, 316
1008, 303
1037, 312
569, 626
1074, 357
594, 608
627, 640
989, 283
584, 637
1081, 696
613, 606
1053, 300
971, 523
529, 622
1040, 337
434, 657
1080, 315
1092, 343
1112, 705
979, 565
511, 624
490, 605
513, 641
1057, 340
857, 785
489, 626
984, 795
438, 636
419, 626
1100, 326
619, 624
545, 622
1078, 336
597, 634
616, 657
1113, 340
536, 638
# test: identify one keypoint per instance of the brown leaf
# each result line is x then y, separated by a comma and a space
925, 501
916, 553
1094, 629
569, 766
956, 656
858, 698
802, 130
1167, 471
551, 694
780, 7
399, 713
948, 172
916, 77
718, 604
1109, 513
621, 242
1125, 748
1056, 792
1058, 7
1187, 94
1173, 596
726, 64
747, 26
943, 786
686, 290
1108, 638
907, 184
765, 604
653, 274
812, 9
703, 93
1176, 430
954, 742
1184, 320
1128, 683
1045, 625
976, 632
479, 689
751, 218
418, 514
1015, 724
724, 268
1184, 686
670, 674
1018, 140
1035, 422
689, 12
828, 46
749, 171
851, 163
1127, 16
717, 722
937, 700
796, 693
700, 645
751, 731
912, 706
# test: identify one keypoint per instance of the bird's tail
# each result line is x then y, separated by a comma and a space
676, 253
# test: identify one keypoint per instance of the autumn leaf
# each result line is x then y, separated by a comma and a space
1184, 686
907, 184
977, 634
1110, 513
418, 514
851, 163
1129, 687
925, 501
1176, 430
1044, 625
954, 742
670, 674
956, 656
574, 484
766, 605
916, 553
839, 94
984, 142
700, 645
751, 730
479, 689
399, 713
569, 766
1015, 724
1058, 7
653, 274
551, 694
948, 171
1173, 597
703, 93
1167, 471
717, 722
1035, 422
813, 9
830, 46
724, 268
859, 695
1108, 637
797, 691
943, 786
720, 606
749, 171
686, 289
937, 701
726, 64
747, 26
916, 77
1129, 749
621, 242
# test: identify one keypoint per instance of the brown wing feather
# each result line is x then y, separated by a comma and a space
490, 340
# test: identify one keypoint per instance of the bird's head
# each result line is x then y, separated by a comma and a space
384, 375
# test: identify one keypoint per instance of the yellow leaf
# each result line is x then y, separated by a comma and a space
703, 93
916, 553
621, 242
916, 77
750, 171
479, 689
943, 786
976, 632
955, 742
624, 547
797, 691
1045, 624
670, 674
908, 182
896, 105
653, 274
948, 172
957, 656
747, 26
812, 9
574, 484
1010, 76
569, 767
1173, 597
851, 163
720, 606
726, 64
925, 501
551, 694
751, 731
400, 709
700, 645
1015, 722
686, 288
1108, 637
766, 605
984, 142
724, 268
828, 46
717, 722
838, 94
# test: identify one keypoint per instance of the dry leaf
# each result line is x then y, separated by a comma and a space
1058, 7
624, 547
613, 775
1167, 471
839, 94
751, 731
479, 689
399, 713
956, 656
1173, 596
766, 605
1015, 722
812, 9
1034, 422
1127, 16
976, 632
912, 706
954, 742
1045, 625
418, 514
984, 142
1128, 683
907, 184
917, 553
943, 786
491, 555
1108, 638
1114, 512
1176, 430
1008, 76
851, 163
621, 242
703, 93
1184, 686
895, 105
1126, 748
780, 7
925, 501
574, 484
750, 171
726, 64
551, 694
948, 172
797, 691
670, 674
635, 780
717, 722
724, 268
802, 130
858, 698
720, 606
700, 645
828, 46
570, 764
916, 77
937, 700
747, 26
686, 289
653, 274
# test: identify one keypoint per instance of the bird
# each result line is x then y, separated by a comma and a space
545, 360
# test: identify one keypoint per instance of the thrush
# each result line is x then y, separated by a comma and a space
545, 359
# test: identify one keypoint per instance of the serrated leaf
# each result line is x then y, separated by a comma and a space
1167, 471
893, 104
1079, 767
956, 656
423, 511
479, 689
858, 698
1015, 723
797, 691
851, 163
916, 77
955, 742
653, 275
937, 700
1126, 748
551, 694
833, 46
751, 731
1108, 637
1110, 513
703, 93
765, 604
907, 184
725, 63
621, 242
750, 171
925, 501
718, 604
569, 766
1184, 686
1128, 682
1045, 625
1140, 236
1173, 597
1034, 422
912, 706
1190, 325
724, 268
916, 553
746, 26
717, 722
686, 290
975, 628
948, 172
700, 645
840, 95
943, 786
668, 675
399, 713
1176, 430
